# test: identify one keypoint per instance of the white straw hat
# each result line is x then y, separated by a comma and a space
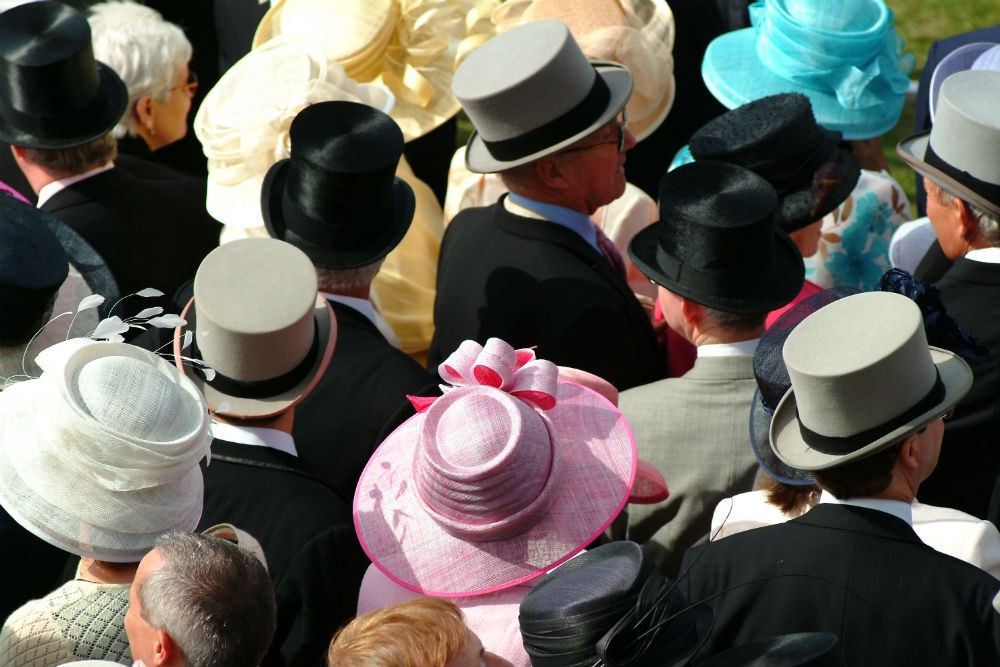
99, 456
244, 121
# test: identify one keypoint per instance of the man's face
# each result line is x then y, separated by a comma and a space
595, 166
141, 636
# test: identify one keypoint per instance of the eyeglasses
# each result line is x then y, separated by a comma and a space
622, 126
192, 83
948, 415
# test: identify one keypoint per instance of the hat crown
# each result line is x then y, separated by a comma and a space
485, 467
843, 388
966, 131
135, 399
236, 335
538, 61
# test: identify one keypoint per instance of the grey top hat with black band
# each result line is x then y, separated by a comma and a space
337, 197
960, 151
53, 94
610, 606
863, 377
716, 242
531, 92
259, 324
777, 137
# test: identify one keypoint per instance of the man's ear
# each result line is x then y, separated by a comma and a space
909, 453
691, 310
549, 170
969, 229
166, 652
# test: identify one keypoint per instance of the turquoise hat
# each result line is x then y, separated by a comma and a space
845, 56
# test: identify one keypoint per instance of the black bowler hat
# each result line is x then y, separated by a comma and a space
716, 242
33, 266
611, 604
337, 197
53, 94
777, 137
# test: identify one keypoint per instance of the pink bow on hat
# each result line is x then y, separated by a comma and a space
498, 365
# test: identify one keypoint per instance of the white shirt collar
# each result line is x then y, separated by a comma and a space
48, 191
255, 436
985, 255
743, 348
363, 306
897, 508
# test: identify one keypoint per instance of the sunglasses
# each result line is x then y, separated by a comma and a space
192, 83
622, 126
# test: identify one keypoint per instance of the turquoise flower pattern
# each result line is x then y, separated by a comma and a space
854, 248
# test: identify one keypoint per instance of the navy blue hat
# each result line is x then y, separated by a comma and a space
33, 266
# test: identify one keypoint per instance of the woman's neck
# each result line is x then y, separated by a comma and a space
103, 572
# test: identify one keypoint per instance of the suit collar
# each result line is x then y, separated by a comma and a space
50, 190
860, 520
255, 437
362, 307
721, 368
972, 271
95, 187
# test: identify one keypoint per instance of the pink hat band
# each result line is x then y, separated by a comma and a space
486, 479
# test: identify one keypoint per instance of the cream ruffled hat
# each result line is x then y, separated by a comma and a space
411, 46
99, 456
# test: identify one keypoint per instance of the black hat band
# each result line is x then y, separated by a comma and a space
723, 280
989, 191
574, 121
840, 446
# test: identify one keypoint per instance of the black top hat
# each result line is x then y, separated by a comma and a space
716, 242
777, 137
337, 197
610, 603
53, 94
32, 268
802, 649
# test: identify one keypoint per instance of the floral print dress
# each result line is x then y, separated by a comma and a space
854, 248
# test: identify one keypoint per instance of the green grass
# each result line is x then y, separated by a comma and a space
920, 23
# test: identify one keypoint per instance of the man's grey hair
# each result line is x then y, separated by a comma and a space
215, 600
988, 224
142, 48
342, 280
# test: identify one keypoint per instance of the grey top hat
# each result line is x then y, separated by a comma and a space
259, 325
849, 400
960, 151
531, 92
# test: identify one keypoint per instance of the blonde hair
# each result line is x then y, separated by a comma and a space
415, 633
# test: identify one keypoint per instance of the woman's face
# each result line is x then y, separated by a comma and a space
170, 117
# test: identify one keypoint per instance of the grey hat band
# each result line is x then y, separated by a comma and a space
562, 127
838, 446
989, 191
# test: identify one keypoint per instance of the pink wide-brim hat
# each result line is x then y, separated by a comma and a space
508, 474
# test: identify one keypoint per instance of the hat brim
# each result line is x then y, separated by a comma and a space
408, 546
735, 75
41, 509
784, 284
374, 249
270, 406
619, 81
800, 207
913, 149
760, 442
112, 98
791, 448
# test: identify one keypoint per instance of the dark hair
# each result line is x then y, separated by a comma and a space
65, 162
791, 499
862, 478
742, 322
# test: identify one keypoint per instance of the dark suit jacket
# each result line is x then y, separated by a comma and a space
861, 574
338, 423
970, 458
307, 532
151, 233
534, 283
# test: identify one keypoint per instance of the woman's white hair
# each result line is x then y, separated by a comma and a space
143, 48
